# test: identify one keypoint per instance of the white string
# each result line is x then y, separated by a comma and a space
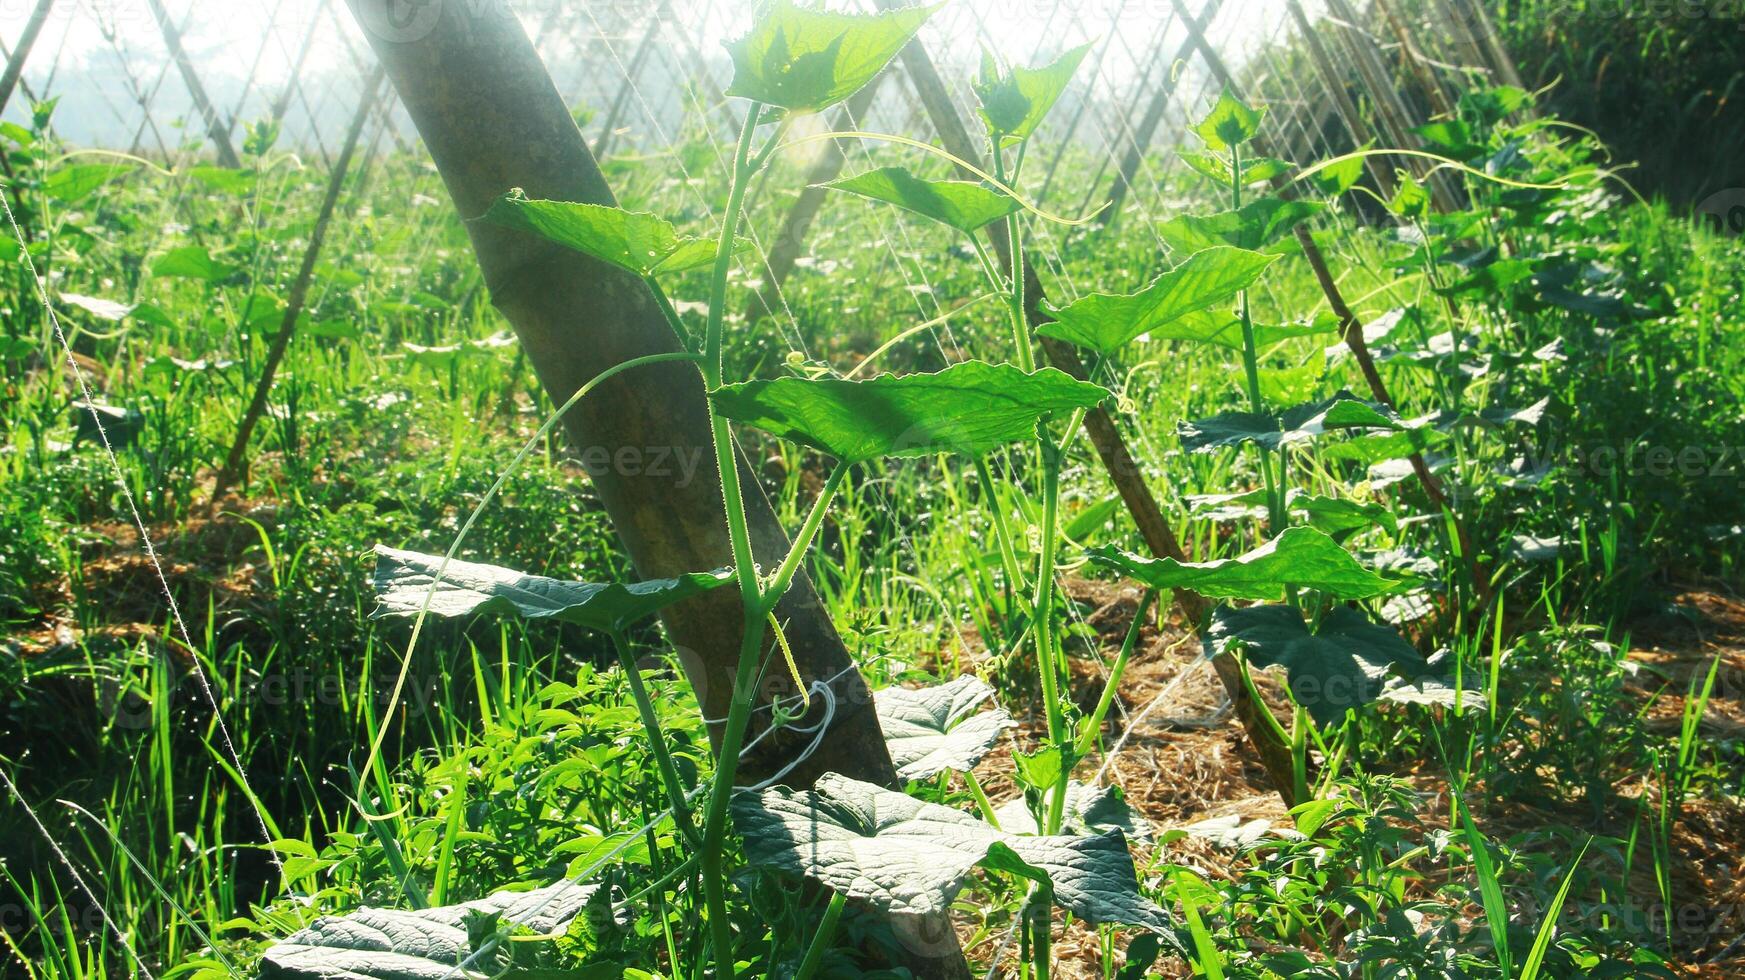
78, 879
90, 399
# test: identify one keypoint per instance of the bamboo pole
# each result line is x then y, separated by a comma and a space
215, 127
1106, 438
234, 461
791, 243
1351, 332
1142, 137
1361, 134
21, 54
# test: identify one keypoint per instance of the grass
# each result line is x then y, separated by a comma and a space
518, 754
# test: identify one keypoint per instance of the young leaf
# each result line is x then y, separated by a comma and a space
1411, 199
403, 578
1090, 810
391, 944
79, 180
1230, 123
1104, 322
961, 204
1301, 556
634, 241
806, 60
899, 854
1256, 226
193, 262
934, 729
967, 408
1344, 664
1302, 424
1014, 104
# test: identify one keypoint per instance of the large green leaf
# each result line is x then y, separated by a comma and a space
1346, 663
1231, 122
193, 262
1014, 104
1334, 515
962, 204
403, 578
969, 408
805, 60
77, 181
902, 855
635, 241
1104, 322
389, 944
1090, 810
933, 729
1300, 556
1256, 226
1299, 425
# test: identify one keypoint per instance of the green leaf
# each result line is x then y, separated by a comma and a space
968, 408
906, 856
193, 262
1257, 225
390, 944
1230, 123
937, 728
1345, 664
224, 179
1104, 322
634, 241
102, 309
403, 578
961, 204
1254, 170
1411, 199
1300, 556
1334, 515
806, 60
1090, 810
1300, 425
1014, 104
1340, 177
77, 181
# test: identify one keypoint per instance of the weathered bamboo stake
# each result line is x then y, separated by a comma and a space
1414, 59
1135, 155
293, 81
233, 462
643, 47
21, 54
791, 243
215, 127
1106, 437
1484, 30
1361, 134
1351, 332
1391, 109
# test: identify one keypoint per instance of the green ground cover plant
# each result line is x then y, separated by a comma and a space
423, 721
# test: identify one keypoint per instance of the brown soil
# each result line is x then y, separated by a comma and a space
1186, 760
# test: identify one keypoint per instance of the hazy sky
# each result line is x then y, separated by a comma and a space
100, 54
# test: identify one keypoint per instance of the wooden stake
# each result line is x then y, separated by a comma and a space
233, 462
20, 54
215, 127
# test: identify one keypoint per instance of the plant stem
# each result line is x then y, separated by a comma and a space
1251, 368
669, 774
710, 858
1088, 733
821, 939
784, 575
